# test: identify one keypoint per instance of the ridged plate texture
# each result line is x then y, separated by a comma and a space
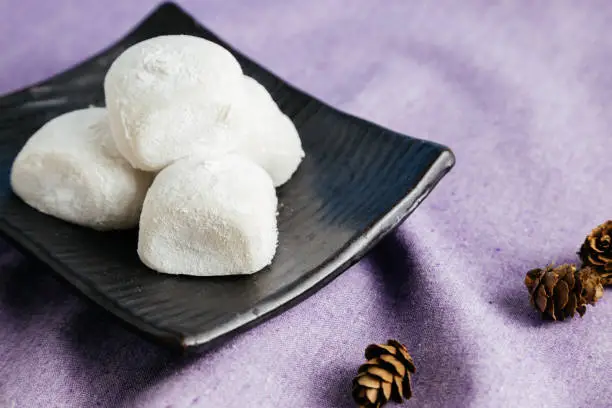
358, 181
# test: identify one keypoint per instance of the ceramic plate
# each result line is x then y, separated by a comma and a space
357, 182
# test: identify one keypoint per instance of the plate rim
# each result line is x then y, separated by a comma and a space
344, 259
272, 306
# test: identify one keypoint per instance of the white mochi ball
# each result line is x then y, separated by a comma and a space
169, 97
71, 169
208, 218
269, 137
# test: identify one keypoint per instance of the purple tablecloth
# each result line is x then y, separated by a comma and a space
523, 94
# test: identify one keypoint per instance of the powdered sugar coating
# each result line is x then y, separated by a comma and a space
269, 137
170, 95
209, 217
71, 169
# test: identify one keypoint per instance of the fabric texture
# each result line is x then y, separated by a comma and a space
522, 92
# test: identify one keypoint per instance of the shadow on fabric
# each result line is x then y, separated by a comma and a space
110, 364
337, 387
117, 364
425, 325
514, 300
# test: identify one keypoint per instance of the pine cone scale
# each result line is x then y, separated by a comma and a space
408, 388
403, 352
396, 365
533, 278
368, 381
592, 289
550, 310
386, 389
549, 283
372, 395
541, 299
376, 350
381, 373
397, 393
595, 261
606, 274
561, 295
605, 259
572, 304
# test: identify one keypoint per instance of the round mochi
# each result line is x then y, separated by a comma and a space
270, 138
169, 97
209, 218
71, 169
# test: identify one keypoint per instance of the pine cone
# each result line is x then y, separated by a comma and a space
596, 251
562, 291
385, 376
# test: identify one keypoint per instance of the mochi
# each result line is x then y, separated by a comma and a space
71, 169
169, 97
209, 217
269, 137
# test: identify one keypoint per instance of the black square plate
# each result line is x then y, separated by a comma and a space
357, 182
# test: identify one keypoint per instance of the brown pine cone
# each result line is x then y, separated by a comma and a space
385, 376
596, 251
562, 291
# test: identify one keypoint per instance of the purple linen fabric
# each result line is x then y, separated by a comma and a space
522, 91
